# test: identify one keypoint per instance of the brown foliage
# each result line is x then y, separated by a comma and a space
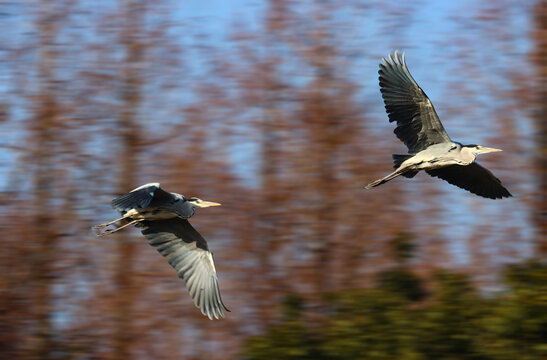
274, 125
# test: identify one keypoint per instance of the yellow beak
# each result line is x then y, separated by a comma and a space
484, 150
206, 203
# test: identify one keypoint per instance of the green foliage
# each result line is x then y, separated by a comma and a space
403, 247
402, 282
367, 324
449, 326
291, 339
516, 328
454, 322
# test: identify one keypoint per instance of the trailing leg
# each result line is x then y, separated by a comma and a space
384, 180
107, 232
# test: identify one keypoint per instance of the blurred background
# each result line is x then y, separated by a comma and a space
273, 109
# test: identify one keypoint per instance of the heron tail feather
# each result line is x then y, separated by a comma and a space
399, 159
409, 174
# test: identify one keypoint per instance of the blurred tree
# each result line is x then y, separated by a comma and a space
540, 58
271, 125
289, 339
448, 328
516, 324
132, 39
44, 127
401, 280
368, 324
455, 323
106, 95
403, 248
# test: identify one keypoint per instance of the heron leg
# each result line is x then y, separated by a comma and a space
100, 226
107, 232
385, 179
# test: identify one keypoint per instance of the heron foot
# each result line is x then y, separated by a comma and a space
107, 232
100, 226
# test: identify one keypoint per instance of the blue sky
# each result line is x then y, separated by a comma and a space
434, 63
429, 47
432, 56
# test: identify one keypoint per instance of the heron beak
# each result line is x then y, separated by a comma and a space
484, 150
206, 204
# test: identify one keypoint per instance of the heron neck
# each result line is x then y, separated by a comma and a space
185, 210
467, 155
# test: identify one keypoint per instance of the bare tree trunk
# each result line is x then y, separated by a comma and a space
271, 202
129, 133
540, 215
43, 129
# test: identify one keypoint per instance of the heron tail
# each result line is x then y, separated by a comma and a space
399, 159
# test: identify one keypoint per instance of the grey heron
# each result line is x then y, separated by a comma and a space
163, 219
429, 146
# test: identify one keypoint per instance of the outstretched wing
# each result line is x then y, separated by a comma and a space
418, 125
473, 178
140, 198
186, 251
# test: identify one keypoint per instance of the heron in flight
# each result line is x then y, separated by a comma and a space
163, 219
429, 146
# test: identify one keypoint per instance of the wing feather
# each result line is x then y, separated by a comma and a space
473, 178
418, 125
140, 198
187, 252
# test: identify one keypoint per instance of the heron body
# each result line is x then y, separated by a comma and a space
429, 146
163, 219
150, 202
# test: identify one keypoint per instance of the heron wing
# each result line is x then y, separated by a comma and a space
140, 198
473, 178
186, 251
418, 125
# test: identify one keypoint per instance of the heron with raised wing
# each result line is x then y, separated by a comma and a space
163, 219
429, 146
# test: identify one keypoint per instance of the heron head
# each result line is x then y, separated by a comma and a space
201, 203
478, 149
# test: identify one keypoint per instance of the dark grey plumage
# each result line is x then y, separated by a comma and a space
142, 197
418, 125
473, 178
153, 202
162, 217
